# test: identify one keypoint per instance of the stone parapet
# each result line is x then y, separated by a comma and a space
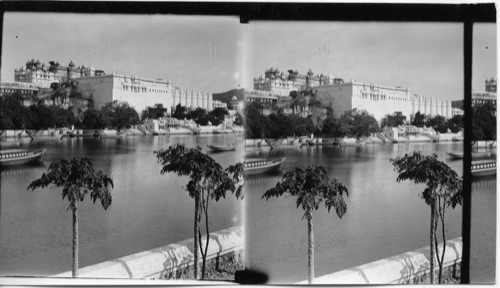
408, 268
173, 261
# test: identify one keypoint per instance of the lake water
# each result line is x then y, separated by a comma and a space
384, 218
149, 210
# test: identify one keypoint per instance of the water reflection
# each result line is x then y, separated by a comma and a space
149, 210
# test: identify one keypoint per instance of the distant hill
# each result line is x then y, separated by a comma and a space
225, 97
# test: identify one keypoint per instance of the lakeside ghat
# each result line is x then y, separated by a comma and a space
175, 261
411, 267
149, 210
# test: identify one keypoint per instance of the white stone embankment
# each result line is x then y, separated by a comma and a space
167, 261
408, 268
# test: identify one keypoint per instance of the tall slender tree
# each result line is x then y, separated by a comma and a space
444, 189
208, 181
78, 178
312, 186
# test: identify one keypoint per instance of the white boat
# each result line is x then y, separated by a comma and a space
484, 168
475, 155
221, 148
257, 166
20, 157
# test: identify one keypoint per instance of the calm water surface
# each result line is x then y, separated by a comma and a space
384, 218
149, 210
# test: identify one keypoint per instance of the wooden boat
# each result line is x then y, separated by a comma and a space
273, 143
475, 155
257, 166
222, 148
20, 157
484, 168
9, 144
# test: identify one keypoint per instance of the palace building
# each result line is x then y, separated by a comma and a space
42, 75
340, 96
281, 84
379, 100
139, 92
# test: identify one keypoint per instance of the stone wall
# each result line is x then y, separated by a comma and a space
174, 261
408, 268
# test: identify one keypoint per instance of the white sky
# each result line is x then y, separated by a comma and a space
215, 54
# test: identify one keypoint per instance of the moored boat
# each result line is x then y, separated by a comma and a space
257, 166
475, 155
222, 148
484, 168
20, 157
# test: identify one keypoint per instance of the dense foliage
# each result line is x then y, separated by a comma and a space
393, 120
14, 115
118, 115
439, 123
354, 123
484, 122
155, 112
200, 115
275, 125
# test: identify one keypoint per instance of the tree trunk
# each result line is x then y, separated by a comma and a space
444, 241
75, 241
310, 246
433, 216
196, 220
203, 267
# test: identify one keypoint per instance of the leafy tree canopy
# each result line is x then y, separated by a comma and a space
78, 178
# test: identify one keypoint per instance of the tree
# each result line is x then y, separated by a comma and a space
359, 123
179, 112
312, 186
78, 178
333, 127
484, 123
199, 115
393, 120
92, 120
208, 181
419, 119
438, 123
216, 116
444, 189
118, 115
239, 120
155, 112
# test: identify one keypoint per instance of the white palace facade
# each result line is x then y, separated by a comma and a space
139, 92
342, 96
379, 100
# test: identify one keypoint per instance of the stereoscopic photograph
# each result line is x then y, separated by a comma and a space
205, 149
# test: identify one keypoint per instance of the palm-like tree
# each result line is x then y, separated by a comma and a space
312, 186
78, 178
208, 181
444, 189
